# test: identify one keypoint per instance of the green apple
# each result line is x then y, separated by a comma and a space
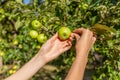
36, 24
15, 42
0, 39
64, 33
38, 46
2, 17
20, 46
2, 11
1, 53
33, 34
42, 38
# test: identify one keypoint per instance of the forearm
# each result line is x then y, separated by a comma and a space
76, 72
29, 69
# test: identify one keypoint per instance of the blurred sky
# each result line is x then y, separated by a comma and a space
26, 1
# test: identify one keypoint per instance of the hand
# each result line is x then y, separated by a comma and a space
84, 40
49, 51
54, 47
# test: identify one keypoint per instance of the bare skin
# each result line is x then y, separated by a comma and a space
54, 48
84, 42
49, 51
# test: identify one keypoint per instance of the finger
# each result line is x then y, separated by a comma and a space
93, 41
54, 37
79, 30
67, 47
63, 43
90, 34
76, 36
69, 43
94, 34
70, 39
72, 35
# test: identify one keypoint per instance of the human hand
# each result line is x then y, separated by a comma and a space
55, 47
84, 41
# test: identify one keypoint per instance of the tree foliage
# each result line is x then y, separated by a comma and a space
100, 16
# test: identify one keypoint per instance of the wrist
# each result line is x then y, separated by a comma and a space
82, 60
77, 58
81, 54
40, 58
44, 57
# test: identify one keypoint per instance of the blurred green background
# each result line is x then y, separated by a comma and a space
17, 47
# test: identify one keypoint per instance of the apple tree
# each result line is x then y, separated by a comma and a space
25, 27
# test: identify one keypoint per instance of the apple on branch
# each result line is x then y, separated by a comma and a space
36, 24
64, 33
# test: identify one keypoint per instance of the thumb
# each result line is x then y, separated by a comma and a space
76, 36
53, 38
93, 41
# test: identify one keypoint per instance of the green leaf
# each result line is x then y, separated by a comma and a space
102, 29
18, 23
19, 1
